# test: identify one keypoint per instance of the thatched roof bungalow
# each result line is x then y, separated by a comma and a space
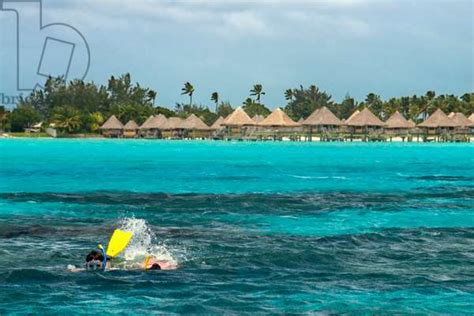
460, 120
194, 123
398, 122
130, 129
147, 123
112, 127
365, 118
175, 123
437, 120
238, 118
471, 117
217, 125
278, 118
153, 126
323, 119
131, 126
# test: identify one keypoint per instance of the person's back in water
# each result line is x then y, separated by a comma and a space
151, 263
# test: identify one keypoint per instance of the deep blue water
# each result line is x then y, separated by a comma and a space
254, 227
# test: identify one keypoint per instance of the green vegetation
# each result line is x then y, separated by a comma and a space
303, 101
79, 107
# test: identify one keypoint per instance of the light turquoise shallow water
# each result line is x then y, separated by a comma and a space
255, 227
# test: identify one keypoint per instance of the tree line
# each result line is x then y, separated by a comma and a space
81, 107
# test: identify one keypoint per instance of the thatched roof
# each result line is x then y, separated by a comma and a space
450, 115
112, 123
238, 118
397, 120
437, 119
131, 126
412, 124
278, 118
258, 118
322, 116
460, 120
155, 122
300, 121
147, 123
175, 123
218, 123
195, 123
356, 112
364, 118
471, 117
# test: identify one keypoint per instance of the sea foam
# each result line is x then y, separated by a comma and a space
144, 242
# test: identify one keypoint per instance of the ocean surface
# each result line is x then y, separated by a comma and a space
254, 227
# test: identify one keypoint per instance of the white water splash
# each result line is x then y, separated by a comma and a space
144, 242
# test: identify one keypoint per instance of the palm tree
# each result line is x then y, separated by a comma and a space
427, 102
188, 90
152, 96
67, 118
289, 94
257, 91
96, 120
215, 98
247, 102
313, 92
3, 118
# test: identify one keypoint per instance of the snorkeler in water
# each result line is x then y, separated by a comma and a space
101, 260
97, 260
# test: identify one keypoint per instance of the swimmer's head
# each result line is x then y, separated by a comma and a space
155, 266
94, 255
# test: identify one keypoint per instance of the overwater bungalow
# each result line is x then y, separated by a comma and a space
217, 128
145, 127
238, 122
460, 120
176, 127
278, 123
154, 126
112, 127
322, 121
398, 125
463, 124
194, 123
366, 123
217, 125
130, 130
437, 124
278, 118
196, 128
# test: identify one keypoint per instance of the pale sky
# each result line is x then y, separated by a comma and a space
390, 47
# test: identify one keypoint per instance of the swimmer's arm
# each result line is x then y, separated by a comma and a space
165, 265
72, 268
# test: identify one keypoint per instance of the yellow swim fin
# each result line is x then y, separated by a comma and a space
118, 242
147, 260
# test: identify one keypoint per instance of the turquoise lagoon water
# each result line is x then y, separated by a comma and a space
254, 227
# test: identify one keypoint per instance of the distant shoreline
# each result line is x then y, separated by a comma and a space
284, 140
